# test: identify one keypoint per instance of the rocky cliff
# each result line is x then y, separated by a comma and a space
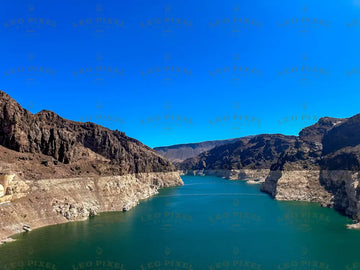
295, 175
65, 170
322, 166
68, 141
340, 166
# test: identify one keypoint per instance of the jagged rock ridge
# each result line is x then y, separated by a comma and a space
69, 142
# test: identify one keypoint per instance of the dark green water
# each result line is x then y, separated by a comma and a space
209, 223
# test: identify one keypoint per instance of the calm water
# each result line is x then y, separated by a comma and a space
209, 223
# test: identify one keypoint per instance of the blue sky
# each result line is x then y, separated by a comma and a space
169, 72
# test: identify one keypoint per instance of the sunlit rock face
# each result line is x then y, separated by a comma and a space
5, 181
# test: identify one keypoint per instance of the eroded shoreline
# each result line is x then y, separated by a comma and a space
55, 201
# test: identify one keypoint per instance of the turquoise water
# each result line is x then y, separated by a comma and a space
209, 223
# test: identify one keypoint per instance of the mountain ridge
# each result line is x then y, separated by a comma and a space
68, 141
179, 152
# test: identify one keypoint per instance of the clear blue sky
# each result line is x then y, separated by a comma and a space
169, 72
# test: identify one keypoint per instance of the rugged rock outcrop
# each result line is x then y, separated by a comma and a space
68, 141
345, 133
295, 175
340, 166
323, 166
247, 158
65, 170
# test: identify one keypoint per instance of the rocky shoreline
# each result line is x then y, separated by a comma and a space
55, 201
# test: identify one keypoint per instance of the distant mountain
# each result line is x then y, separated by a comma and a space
179, 152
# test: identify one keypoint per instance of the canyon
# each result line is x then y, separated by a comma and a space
54, 170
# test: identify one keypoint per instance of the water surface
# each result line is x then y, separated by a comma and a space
209, 223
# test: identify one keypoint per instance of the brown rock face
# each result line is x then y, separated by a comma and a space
316, 132
301, 161
340, 175
69, 142
66, 171
323, 166
257, 152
